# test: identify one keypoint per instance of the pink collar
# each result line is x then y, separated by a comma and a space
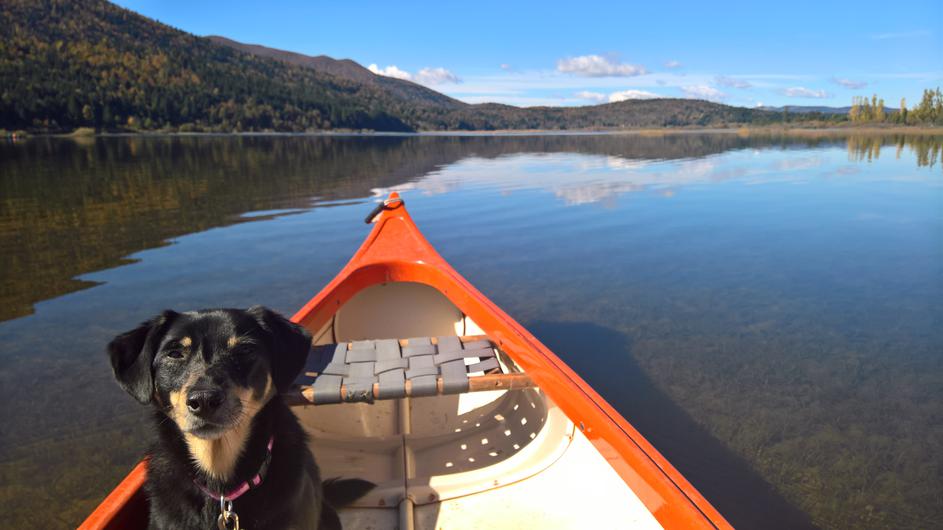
245, 486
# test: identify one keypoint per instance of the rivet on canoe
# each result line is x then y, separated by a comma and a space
432, 496
582, 427
382, 502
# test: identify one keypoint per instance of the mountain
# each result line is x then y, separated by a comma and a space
346, 69
805, 109
341, 68
89, 63
66, 64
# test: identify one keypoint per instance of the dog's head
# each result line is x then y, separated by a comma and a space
211, 370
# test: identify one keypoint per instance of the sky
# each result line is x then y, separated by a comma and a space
568, 53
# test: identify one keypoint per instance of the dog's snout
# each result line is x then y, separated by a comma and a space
204, 402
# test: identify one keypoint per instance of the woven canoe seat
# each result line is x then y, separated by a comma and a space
395, 368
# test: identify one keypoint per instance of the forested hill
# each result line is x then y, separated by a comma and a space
347, 69
88, 63
68, 63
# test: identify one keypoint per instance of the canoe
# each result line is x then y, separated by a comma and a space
512, 439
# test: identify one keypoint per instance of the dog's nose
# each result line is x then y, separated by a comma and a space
204, 402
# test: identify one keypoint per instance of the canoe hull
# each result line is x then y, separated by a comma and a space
395, 252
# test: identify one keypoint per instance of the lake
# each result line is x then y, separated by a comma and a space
770, 307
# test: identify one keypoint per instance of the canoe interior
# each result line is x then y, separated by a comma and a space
496, 459
509, 458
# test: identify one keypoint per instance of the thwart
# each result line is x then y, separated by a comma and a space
512, 437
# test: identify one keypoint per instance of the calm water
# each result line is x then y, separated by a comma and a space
768, 311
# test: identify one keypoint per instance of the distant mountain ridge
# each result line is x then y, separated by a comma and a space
89, 63
821, 109
344, 68
340, 67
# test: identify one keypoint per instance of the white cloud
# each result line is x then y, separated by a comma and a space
732, 82
391, 71
592, 96
901, 34
673, 64
597, 66
551, 87
521, 81
436, 76
426, 76
519, 100
631, 94
622, 95
506, 67
848, 83
703, 92
803, 92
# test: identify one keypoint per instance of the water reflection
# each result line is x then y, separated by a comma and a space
580, 179
70, 207
925, 149
780, 293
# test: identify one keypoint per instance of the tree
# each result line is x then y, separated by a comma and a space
938, 106
869, 108
879, 111
930, 108
855, 113
903, 111
107, 116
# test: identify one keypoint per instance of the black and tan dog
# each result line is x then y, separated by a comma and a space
215, 378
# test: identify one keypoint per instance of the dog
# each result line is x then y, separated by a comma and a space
215, 378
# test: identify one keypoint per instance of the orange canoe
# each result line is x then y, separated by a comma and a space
514, 439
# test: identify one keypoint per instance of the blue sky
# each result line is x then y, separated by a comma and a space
566, 53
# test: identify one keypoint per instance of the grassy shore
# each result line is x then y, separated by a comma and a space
844, 131
807, 131
741, 130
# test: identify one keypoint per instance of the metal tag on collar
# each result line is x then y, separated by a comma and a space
228, 520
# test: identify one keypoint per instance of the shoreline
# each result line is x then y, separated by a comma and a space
667, 131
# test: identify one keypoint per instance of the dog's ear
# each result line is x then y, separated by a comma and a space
132, 354
290, 345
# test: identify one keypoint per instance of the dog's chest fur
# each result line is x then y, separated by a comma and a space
290, 495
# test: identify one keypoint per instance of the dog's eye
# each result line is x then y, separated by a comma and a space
175, 354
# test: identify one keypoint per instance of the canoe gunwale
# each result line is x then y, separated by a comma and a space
114, 510
396, 251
